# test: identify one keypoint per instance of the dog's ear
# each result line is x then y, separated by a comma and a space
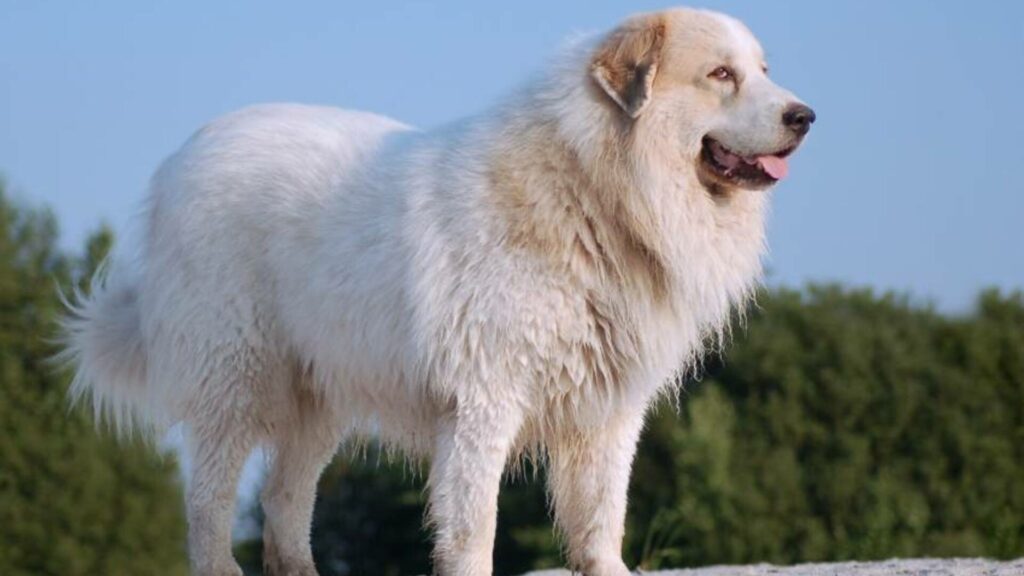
626, 62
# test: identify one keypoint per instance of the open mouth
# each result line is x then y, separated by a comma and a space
725, 167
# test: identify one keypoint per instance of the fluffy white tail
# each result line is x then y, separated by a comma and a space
102, 340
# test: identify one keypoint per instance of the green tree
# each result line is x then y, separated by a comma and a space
72, 502
842, 425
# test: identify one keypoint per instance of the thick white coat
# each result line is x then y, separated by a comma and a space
465, 294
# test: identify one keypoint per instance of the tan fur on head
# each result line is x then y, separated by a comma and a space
626, 63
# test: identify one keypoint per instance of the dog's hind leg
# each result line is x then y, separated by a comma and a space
302, 448
218, 447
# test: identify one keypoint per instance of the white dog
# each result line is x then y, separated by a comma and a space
525, 280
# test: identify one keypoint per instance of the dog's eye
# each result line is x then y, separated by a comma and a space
722, 73
764, 68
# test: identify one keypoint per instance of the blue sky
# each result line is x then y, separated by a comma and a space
911, 179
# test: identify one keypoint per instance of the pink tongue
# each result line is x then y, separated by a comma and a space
775, 167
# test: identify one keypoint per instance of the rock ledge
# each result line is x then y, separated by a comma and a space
920, 567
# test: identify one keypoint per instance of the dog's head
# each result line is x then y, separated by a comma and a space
699, 80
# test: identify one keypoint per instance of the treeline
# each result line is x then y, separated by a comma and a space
72, 502
843, 425
838, 424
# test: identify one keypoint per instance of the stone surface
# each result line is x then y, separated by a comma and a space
923, 567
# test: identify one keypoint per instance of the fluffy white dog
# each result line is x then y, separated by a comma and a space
526, 280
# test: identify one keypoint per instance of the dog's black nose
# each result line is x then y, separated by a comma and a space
798, 118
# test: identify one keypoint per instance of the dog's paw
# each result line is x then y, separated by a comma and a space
294, 570
279, 567
227, 570
606, 567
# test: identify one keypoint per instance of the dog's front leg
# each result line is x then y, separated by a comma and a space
588, 478
470, 452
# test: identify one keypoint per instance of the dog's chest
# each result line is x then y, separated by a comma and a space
611, 349
626, 341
